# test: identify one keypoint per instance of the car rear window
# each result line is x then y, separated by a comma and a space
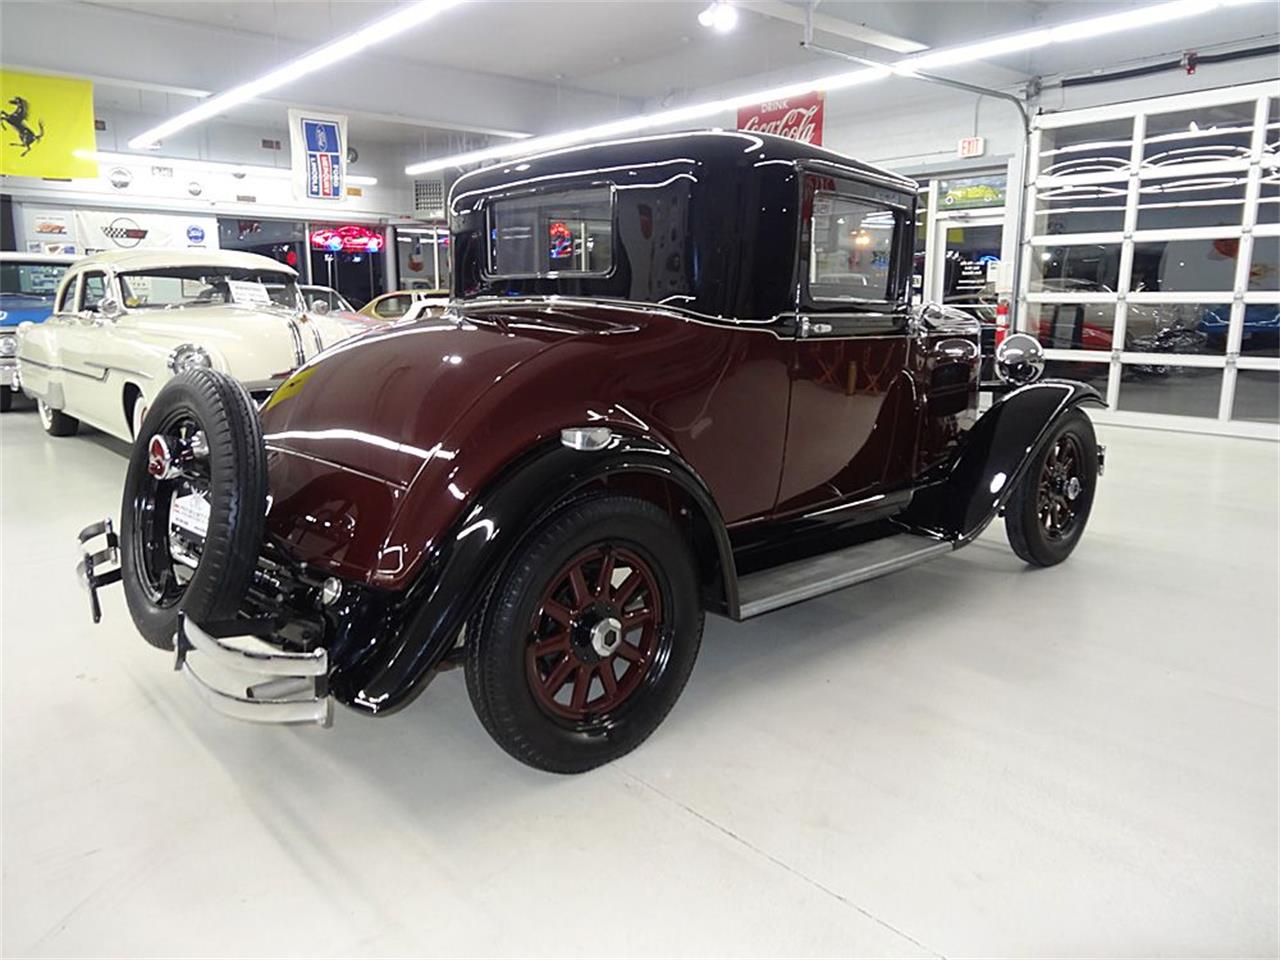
553, 234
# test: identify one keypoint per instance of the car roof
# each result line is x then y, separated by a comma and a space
50, 258
715, 150
121, 260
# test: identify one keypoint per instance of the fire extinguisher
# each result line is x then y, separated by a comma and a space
1002, 321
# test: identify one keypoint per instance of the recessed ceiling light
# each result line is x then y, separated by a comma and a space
721, 16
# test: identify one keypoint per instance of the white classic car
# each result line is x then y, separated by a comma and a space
125, 322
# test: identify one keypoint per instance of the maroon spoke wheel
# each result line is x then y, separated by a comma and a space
595, 634
589, 635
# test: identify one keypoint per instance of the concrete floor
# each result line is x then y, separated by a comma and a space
969, 758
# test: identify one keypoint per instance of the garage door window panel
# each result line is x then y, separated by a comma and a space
1257, 397
1161, 388
1071, 269
1218, 135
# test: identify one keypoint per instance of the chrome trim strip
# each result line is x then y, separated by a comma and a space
299, 354
105, 368
318, 710
255, 656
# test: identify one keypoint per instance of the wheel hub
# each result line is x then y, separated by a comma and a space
1073, 488
596, 633
606, 636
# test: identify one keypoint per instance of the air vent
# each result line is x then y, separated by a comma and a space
428, 198
270, 144
99, 124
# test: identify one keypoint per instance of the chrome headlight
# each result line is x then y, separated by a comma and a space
8, 345
1019, 359
188, 356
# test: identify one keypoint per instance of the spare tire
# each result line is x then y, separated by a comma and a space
194, 511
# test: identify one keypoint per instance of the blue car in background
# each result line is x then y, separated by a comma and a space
28, 282
1261, 325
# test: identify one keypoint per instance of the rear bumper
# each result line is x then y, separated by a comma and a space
263, 685
233, 671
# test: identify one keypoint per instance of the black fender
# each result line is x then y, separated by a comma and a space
993, 458
413, 637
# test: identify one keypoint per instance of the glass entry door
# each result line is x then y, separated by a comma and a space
964, 262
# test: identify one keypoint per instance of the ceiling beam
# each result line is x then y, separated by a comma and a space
778, 10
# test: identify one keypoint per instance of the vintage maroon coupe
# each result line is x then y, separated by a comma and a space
681, 374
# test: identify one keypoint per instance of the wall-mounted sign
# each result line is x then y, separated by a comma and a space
47, 125
797, 118
348, 238
319, 150
971, 147
982, 191
112, 230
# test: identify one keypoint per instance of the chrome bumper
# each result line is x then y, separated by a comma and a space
275, 686
98, 568
9, 373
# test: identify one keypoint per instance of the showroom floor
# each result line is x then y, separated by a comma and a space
968, 758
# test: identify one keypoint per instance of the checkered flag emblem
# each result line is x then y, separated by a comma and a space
124, 233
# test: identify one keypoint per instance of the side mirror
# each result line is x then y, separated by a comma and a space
1019, 359
319, 306
109, 309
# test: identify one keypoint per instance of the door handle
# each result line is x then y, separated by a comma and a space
809, 328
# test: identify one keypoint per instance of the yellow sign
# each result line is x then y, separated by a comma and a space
46, 126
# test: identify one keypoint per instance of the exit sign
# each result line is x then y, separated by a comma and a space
971, 147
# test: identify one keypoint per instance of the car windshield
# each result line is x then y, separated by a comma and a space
30, 281
200, 286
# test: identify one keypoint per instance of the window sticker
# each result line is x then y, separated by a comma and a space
249, 293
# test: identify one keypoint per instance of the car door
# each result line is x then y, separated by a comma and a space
80, 347
851, 425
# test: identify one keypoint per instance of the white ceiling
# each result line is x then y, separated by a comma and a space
649, 50
653, 49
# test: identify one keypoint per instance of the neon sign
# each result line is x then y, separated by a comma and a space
349, 238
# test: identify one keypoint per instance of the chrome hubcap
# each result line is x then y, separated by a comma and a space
606, 636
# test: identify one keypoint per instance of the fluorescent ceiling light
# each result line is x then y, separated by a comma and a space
404, 19
210, 166
1154, 15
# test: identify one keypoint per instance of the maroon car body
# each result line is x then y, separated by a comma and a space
716, 323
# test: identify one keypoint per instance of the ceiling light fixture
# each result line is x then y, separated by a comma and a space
404, 19
721, 16
1156, 14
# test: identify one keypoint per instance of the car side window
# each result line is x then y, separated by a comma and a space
93, 287
392, 307
851, 255
67, 295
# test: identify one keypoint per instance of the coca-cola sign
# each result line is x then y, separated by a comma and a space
799, 118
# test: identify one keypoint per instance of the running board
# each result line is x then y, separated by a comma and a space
803, 579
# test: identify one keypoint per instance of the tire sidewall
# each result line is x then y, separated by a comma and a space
557, 744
